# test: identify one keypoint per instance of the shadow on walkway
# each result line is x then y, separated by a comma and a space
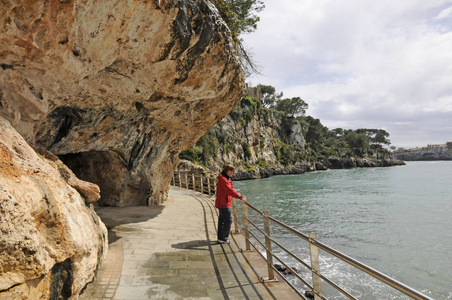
236, 277
194, 245
115, 216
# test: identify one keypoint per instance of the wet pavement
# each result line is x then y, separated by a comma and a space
171, 252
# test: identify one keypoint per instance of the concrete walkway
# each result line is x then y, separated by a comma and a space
170, 252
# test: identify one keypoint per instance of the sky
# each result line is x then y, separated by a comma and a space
362, 63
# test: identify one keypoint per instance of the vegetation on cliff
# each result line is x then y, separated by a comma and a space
239, 15
269, 130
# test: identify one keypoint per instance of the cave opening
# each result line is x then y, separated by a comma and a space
108, 170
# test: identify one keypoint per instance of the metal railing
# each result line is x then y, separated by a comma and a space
205, 183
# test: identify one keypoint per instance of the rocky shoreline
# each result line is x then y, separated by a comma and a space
330, 163
437, 154
299, 168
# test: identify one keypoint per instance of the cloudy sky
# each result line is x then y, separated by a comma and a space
362, 63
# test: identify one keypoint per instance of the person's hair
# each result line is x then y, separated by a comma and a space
227, 168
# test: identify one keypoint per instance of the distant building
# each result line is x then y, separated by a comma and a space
400, 149
449, 145
253, 91
436, 146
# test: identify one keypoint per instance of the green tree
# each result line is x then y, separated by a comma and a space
377, 136
239, 15
192, 154
292, 107
269, 95
338, 131
283, 152
381, 137
358, 142
246, 150
315, 134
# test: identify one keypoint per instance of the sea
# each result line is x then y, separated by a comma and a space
396, 220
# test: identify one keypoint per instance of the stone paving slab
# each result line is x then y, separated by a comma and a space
170, 252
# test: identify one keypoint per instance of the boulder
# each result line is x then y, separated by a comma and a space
51, 241
285, 271
189, 167
320, 166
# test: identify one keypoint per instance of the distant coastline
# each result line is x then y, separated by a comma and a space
425, 155
329, 163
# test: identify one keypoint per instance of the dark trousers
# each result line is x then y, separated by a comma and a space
224, 223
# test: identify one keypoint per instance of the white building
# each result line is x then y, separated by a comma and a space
436, 146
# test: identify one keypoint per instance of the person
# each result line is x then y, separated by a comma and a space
223, 200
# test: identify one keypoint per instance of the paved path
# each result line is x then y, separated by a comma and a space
170, 252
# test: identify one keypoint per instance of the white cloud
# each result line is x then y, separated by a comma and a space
374, 64
445, 13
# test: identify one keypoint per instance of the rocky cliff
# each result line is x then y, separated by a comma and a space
117, 89
437, 154
255, 146
250, 139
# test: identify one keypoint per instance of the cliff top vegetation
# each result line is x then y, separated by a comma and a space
241, 17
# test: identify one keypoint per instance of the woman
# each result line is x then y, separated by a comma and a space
225, 193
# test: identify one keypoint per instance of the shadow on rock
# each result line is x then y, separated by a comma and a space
112, 236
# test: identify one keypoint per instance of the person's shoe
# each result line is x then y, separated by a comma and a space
223, 241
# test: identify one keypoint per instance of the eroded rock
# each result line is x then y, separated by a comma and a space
51, 242
118, 85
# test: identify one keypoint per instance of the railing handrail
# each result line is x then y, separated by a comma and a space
312, 241
374, 273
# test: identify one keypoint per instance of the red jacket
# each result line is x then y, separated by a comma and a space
225, 192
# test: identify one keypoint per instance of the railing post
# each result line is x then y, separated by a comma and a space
193, 185
186, 181
268, 245
180, 181
202, 184
316, 281
208, 185
234, 212
246, 226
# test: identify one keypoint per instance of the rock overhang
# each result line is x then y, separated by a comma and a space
137, 80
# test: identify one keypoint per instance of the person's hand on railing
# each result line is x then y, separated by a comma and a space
243, 199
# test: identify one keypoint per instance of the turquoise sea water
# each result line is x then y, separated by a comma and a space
397, 220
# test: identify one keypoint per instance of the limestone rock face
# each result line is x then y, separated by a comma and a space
251, 142
51, 242
296, 138
117, 88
